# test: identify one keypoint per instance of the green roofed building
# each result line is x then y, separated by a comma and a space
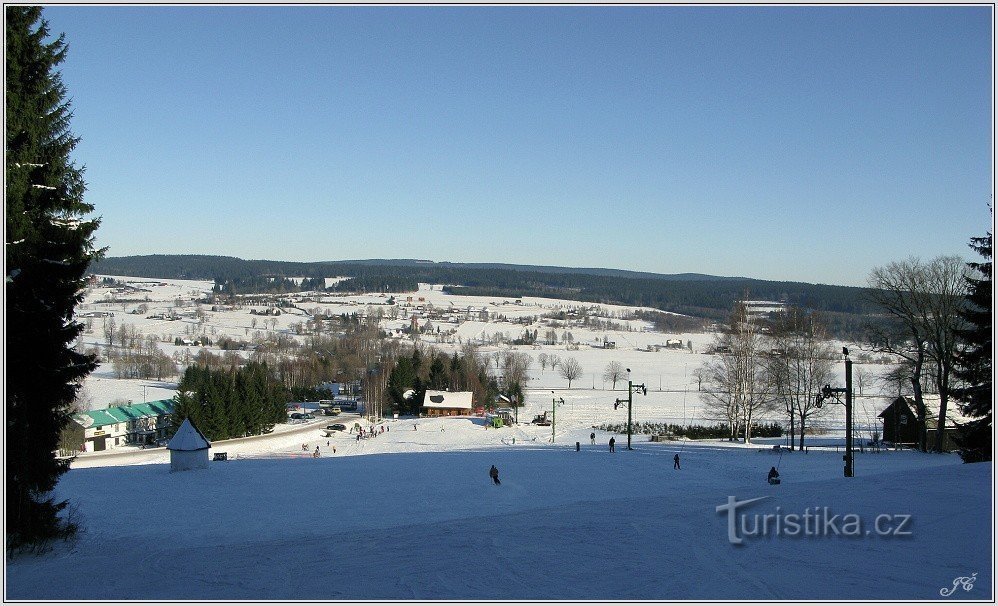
143, 424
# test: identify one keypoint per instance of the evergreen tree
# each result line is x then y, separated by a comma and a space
401, 379
439, 378
49, 247
974, 362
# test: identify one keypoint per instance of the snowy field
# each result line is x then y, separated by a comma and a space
417, 518
411, 513
669, 375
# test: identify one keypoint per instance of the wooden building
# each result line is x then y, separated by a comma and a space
901, 422
447, 403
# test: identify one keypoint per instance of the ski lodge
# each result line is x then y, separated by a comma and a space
447, 403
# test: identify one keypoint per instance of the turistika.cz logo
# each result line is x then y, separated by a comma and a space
813, 522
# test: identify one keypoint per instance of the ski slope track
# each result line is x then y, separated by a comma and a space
564, 525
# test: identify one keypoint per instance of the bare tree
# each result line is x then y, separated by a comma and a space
925, 300
543, 359
614, 372
515, 369
699, 374
737, 379
570, 370
860, 380
897, 380
800, 366
110, 330
720, 401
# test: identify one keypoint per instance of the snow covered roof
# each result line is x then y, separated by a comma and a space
932, 402
188, 438
447, 399
123, 414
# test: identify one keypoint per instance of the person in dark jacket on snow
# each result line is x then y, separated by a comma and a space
774, 476
494, 474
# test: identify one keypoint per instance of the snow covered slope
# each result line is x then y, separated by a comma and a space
423, 521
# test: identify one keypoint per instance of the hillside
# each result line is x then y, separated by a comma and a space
422, 521
702, 296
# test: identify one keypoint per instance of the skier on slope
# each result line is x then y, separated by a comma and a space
494, 474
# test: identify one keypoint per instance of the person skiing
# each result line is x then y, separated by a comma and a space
494, 474
592, 438
611, 444
774, 476
675, 464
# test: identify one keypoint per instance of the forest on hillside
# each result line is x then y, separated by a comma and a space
708, 297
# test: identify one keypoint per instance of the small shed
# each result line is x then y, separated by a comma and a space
901, 421
188, 448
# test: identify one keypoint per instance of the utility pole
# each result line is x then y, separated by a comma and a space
848, 457
553, 402
828, 391
630, 402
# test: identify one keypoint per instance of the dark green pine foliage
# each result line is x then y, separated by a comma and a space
49, 246
456, 384
401, 379
975, 361
230, 403
439, 378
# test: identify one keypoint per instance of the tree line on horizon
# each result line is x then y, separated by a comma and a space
710, 299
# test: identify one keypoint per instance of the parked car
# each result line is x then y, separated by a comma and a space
336, 427
297, 416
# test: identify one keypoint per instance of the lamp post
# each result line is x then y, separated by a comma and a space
554, 401
630, 400
828, 391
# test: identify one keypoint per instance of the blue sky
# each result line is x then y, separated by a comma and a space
786, 143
